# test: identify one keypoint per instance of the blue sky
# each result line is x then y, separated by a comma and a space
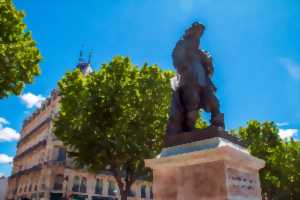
255, 45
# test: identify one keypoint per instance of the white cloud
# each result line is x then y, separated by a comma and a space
1, 174
292, 67
7, 134
32, 100
282, 124
5, 159
287, 133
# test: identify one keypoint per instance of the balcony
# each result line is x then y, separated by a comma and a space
31, 149
34, 130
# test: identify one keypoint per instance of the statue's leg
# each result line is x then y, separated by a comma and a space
174, 125
217, 118
190, 120
190, 98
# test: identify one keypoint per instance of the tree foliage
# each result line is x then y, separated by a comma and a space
114, 117
280, 179
19, 56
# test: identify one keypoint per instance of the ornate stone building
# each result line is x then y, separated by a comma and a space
3, 185
42, 170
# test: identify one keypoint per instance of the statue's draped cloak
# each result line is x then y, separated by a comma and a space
187, 61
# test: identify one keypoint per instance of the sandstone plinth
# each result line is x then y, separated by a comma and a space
209, 169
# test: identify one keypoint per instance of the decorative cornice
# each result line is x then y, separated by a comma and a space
45, 104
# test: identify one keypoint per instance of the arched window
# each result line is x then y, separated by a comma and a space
58, 182
76, 184
83, 185
112, 188
99, 186
143, 191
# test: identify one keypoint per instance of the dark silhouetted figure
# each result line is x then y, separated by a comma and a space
192, 86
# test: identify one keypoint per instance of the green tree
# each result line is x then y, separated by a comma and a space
114, 118
19, 57
280, 179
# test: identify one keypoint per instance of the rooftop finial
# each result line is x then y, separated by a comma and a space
84, 66
90, 57
81, 55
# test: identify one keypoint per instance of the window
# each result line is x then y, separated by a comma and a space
83, 185
29, 188
76, 184
61, 154
42, 195
99, 186
43, 183
143, 191
43, 186
111, 188
58, 182
151, 193
34, 196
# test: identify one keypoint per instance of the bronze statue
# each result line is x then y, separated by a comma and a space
192, 86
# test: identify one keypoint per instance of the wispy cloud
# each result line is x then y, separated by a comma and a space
5, 159
7, 134
3, 122
281, 124
32, 100
287, 133
292, 67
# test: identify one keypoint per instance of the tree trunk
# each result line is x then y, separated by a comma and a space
124, 188
121, 187
120, 183
123, 195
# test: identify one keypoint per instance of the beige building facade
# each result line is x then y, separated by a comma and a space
3, 185
43, 171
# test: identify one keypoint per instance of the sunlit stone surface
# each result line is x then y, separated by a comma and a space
211, 169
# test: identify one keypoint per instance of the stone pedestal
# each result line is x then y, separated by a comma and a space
209, 169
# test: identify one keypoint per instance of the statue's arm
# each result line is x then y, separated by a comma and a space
208, 62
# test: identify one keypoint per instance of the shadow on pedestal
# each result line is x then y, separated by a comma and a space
207, 164
200, 134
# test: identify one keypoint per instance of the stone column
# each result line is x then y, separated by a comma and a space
209, 169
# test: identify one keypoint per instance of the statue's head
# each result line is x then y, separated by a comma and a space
195, 31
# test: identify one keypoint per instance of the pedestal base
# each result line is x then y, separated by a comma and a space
213, 169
